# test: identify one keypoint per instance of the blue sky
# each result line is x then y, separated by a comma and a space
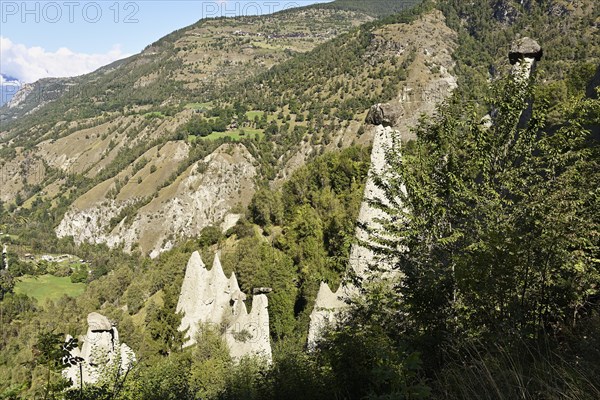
66, 37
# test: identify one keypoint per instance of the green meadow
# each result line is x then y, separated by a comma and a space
48, 287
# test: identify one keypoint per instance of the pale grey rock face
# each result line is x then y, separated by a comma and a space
127, 357
190, 302
236, 293
102, 353
205, 296
210, 298
192, 202
324, 314
21, 95
230, 221
248, 334
31, 97
98, 322
523, 68
361, 257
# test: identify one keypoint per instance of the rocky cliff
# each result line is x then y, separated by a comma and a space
33, 96
202, 195
324, 314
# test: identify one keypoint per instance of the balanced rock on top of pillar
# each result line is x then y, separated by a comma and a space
525, 48
101, 354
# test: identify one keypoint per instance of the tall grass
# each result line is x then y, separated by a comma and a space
567, 368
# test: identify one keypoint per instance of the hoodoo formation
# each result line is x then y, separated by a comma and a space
375, 189
100, 352
389, 122
209, 298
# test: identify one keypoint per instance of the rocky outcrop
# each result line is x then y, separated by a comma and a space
101, 356
205, 296
199, 197
524, 55
362, 258
422, 93
21, 94
248, 334
230, 221
209, 298
383, 114
324, 313
525, 48
32, 96
98, 323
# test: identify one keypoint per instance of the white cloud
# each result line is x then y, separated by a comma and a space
28, 64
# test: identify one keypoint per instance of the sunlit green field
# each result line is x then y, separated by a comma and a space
236, 134
199, 106
253, 114
47, 287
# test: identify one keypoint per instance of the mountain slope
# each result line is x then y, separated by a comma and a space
161, 211
146, 176
193, 61
108, 128
110, 161
377, 8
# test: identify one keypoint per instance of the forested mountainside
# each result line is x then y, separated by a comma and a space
248, 136
142, 172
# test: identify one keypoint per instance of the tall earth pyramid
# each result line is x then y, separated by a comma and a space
209, 298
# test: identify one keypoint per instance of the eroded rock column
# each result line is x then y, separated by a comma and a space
101, 355
209, 298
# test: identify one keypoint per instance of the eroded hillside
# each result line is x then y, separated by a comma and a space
144, 176
111, 160
193, 201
